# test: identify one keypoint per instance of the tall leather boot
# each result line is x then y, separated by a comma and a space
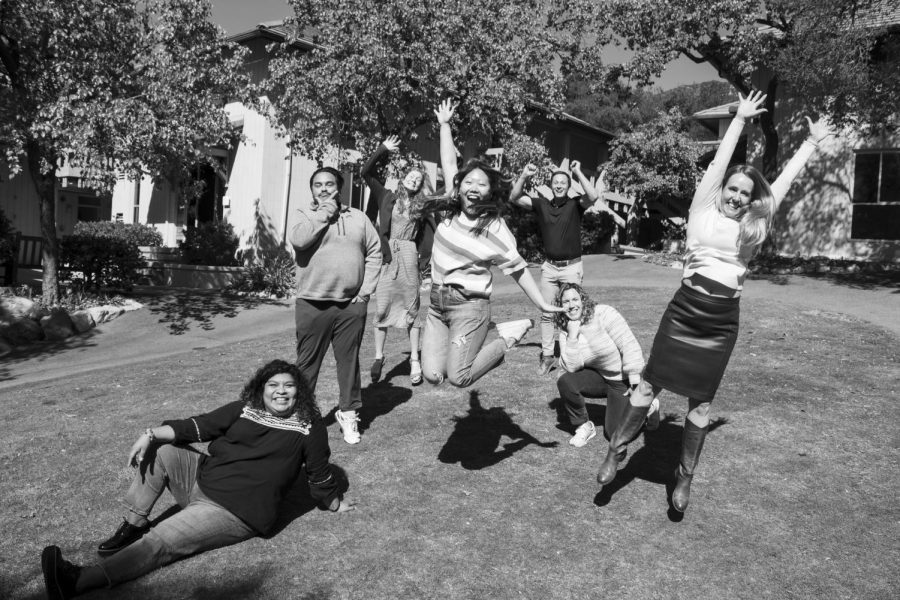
628, 429
691, 445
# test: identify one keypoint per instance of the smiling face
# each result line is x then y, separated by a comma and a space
737, 193
413, 181
572, 304
324, 185
559, 184
280, 394
474, 188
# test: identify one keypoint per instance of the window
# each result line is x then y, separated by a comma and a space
876, 195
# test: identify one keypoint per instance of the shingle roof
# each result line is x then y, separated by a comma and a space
723, 111
880, 13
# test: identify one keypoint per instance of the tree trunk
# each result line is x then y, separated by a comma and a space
770, 133
45, 184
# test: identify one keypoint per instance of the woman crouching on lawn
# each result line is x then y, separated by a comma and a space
730, 216
599, 356
470, 238
258, 445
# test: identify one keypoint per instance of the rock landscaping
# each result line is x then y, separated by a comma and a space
24, 322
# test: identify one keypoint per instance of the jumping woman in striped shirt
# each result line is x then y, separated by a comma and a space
730, 217
470, 238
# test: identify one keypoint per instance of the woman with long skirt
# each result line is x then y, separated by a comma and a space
730, 216
401, 223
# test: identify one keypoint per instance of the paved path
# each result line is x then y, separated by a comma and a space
174, 321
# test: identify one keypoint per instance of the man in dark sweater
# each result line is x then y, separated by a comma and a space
338, 256
559, 220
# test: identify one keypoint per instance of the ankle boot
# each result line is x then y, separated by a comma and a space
628, 429
691, 445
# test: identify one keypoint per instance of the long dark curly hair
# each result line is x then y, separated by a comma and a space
587, 305
487, 210
252, 394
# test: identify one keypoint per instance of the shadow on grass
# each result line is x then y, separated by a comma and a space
41, 350
473, 443
378, 399
858, 281
655, 461
197, 308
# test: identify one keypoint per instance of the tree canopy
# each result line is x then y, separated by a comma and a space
821, 48
110, 86
380, 68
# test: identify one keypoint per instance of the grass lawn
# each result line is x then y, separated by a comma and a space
476, 494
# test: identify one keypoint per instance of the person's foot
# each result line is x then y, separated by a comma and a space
512, 332
415, 372
125, 535
347, 421
375, 371
652, 423
584, 433
546, 364
60, 576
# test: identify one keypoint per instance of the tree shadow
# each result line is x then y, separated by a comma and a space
183, 309
42, 350
655, 461
474, 441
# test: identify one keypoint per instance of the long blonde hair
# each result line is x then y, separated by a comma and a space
757, 221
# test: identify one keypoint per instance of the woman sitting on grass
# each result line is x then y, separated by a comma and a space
730, 216
258, 445
599, 356
469, 239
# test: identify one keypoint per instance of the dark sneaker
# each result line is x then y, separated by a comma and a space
375, 371
60, 575
125, 535
546, 364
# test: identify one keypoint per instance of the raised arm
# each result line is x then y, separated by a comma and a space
444, 112
748, 108
517, 195
390, 144
590, 194
818, 131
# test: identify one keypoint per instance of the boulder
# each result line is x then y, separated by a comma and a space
16, 307
82, 320
100, 314
57, 326
21, 332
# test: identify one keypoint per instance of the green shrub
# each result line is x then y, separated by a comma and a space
136, 233
273, 274
211, 244
100, 262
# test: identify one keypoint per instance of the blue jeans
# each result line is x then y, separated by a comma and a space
200, 525
552, 278
453, 346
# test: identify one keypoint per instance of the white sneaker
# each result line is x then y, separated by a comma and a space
652, 423
514, 331
584, 433
347, 420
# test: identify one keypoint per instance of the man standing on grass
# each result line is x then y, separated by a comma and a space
560, 222
338, 256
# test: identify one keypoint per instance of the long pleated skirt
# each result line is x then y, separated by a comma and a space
693, 344
397, 292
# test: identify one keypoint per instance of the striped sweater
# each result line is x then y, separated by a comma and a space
604, 344
460, 257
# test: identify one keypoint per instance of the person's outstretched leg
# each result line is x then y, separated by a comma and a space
378, 362
572, 389
469, 358
629, 427
415, 365
549, 285
435, 343
696, 425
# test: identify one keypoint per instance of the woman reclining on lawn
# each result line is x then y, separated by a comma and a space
258, 445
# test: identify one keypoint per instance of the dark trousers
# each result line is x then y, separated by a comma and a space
340, 325
573, 387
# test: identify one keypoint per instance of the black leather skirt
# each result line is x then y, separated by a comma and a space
693, 344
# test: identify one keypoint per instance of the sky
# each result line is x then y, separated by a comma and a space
235, 16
